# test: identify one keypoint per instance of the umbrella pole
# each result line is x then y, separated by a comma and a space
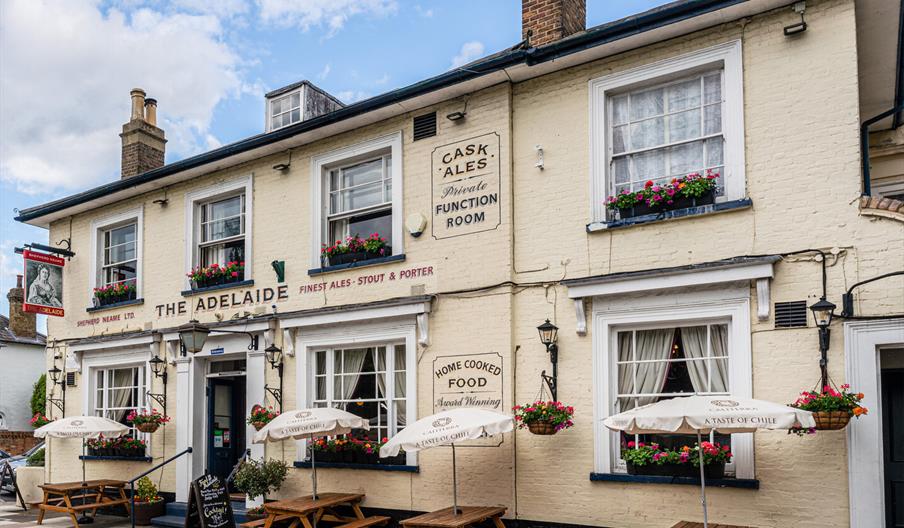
314, 475
84, 519
702, 479
454, 484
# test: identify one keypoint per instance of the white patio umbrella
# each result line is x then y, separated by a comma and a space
306, 424
446, 428
83, 427
704, 414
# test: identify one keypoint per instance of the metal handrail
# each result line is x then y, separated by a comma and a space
235, 468
146, 473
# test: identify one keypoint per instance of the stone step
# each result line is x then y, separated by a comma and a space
175, 514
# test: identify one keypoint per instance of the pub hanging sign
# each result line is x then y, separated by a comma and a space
43, 283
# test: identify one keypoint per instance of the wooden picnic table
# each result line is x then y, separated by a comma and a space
467, 516
689, 524
89, 496
307, 510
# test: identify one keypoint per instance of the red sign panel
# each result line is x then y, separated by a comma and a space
43, 283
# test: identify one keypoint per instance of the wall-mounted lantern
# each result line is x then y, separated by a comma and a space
548, 333
158, 367
823, 311
273, 354
58, 377
193, 335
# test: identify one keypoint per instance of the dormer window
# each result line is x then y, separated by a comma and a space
285, 110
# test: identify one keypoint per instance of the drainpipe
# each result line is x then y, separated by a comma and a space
864, 144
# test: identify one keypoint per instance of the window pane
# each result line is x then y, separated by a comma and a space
712, 88
713, 152
276, 107
649, 165
223, 229
684, 125
367, 172
223, 253
620, 110
120, 273
620, 139
296, 116
225, 208
649, 133
620, 167
686, 158
646, 104
380, 223
296, 99
360, 197
684, 95
712, 119
121, 235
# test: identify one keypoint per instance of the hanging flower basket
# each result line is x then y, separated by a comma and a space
542, 428
261, 416
831, 420
147, 427
544, 417
258, 425
832, 409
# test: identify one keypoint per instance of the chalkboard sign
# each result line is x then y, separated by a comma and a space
208, 504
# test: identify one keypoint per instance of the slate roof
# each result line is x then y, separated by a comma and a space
7, 335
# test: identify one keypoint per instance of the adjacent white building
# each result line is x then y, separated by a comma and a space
21, 363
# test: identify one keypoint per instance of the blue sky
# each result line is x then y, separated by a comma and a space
66, 69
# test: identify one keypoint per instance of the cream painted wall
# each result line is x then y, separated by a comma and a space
802, 175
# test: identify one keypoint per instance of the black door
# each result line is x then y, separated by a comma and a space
893, 442
225, 424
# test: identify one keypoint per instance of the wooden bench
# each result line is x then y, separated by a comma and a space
689, 524
466, 516
375, 520
261, 522
75, 497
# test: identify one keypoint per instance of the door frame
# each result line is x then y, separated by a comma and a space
863, 341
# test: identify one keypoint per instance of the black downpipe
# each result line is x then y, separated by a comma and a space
864, 144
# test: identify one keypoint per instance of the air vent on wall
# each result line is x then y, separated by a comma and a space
70, 379
424, 126
791, 314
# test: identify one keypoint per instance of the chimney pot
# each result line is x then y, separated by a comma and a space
150, 111
143, 143
546, 21
137, 104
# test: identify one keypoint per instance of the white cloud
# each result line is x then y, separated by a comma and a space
352, 96
67, 72
382, 80
469, 51
330, 14
325, 72
426, 13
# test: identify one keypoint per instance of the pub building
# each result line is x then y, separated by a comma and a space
487, 188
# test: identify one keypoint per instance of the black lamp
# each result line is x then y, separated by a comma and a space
193, 335
273, 354
158, 367
57, 376
548, 333
55, 373
823, 311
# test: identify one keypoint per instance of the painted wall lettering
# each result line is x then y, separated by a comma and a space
466, 187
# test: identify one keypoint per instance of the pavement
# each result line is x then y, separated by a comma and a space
11, 515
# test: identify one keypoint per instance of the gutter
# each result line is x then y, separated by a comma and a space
620, 29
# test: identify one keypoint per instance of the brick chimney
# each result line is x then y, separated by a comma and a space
552, 20
21, 323
143, 143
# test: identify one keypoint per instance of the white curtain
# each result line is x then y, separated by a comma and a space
652, 345
693, 339
352, 361
122, 397
400, 381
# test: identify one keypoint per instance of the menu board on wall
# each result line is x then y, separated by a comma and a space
466, 187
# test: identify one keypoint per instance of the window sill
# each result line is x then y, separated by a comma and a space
359, 264
658, 479
228, 285
372, 467
702, 210
117, 458
132, 302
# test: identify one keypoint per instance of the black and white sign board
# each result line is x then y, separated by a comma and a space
208, 504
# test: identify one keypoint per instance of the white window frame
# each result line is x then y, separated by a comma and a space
269, 117
729, 305
193, 203
106, 223
320, 166
727, 57
111, 357
389, 371
355, 334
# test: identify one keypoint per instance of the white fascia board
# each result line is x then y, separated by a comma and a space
363, 314
677, 280
116, 343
